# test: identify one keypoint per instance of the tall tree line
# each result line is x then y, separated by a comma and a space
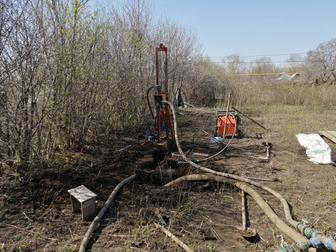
69, 73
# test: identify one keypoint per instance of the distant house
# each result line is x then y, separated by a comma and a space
286, 77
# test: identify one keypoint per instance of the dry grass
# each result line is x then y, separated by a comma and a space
309, 188
284, 94
288, 120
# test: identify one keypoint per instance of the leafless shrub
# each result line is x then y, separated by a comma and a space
69, 74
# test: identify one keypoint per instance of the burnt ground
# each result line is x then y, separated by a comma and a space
36, 215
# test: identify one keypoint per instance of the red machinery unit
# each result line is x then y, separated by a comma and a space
227, 124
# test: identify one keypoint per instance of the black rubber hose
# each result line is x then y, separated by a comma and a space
148, 102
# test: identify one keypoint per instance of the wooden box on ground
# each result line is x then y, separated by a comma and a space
85, 200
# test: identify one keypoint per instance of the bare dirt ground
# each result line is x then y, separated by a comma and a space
35, 213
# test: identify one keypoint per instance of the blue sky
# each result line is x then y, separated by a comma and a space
251, 27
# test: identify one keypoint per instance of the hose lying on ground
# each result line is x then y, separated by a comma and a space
301, 242
230, 140
223, 149
308, 232
228, 175
219, 152
101, 213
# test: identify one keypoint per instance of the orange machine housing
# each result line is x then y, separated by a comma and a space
226, 126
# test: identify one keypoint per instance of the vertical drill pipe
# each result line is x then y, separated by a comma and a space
166, 71
158, 122
157, 65
167, 122
165, 111
243, 209
163, 49
226, 115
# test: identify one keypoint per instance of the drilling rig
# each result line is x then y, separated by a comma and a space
162, 114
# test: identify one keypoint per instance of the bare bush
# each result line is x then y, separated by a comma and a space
321, 63
70, 75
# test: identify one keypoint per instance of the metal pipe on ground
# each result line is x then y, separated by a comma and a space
252, 120
245, 230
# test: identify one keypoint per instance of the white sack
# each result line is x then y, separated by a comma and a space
317, 149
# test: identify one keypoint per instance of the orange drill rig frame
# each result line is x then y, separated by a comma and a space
163, 122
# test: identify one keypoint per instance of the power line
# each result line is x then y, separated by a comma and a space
263, 62
258, 55
257, 74
274, 55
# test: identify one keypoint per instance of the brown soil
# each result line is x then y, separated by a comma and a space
36, 215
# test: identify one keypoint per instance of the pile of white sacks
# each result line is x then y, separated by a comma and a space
317, 149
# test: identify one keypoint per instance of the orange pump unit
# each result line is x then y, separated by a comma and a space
227, 124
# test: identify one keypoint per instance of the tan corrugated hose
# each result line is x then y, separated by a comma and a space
328, 242
301, 241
